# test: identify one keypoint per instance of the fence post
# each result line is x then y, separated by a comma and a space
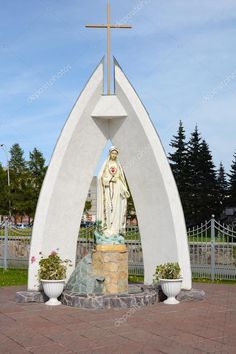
6, 244
213, 240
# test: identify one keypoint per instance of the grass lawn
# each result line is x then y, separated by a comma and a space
140, 279
216, 281
13, 277
19, 277
17, 232
136, 278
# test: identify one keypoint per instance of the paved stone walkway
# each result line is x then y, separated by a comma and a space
208, 326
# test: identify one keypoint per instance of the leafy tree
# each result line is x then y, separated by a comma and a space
17, 162
4, 194
18, 172
232, 184
26, 180
34, 180
222, 186
87, 206
131, 211
37, 167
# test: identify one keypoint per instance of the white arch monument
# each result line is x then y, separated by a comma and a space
94, 119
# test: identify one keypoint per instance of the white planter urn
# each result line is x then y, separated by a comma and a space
53, 289
171, 288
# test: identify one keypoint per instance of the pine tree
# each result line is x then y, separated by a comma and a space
194, 180
232, 184
178, 163
178, 157
222, 186
209, 191
202, 186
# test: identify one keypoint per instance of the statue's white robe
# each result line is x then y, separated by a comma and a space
112, 199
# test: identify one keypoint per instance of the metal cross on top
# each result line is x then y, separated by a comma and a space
108, 26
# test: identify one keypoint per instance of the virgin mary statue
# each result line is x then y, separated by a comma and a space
112, 197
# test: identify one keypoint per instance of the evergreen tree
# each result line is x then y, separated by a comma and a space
194, 179
202, 191
209, 191
202, 187
178, 163
178, 157
232, 184
222, 186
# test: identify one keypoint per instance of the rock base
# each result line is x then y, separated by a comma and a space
98, 301
31, 296
137, 296
191, 295
111, 262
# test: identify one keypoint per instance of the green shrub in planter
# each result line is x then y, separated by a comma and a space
52, 267
167, 271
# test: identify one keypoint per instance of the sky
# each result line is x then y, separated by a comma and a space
180, 56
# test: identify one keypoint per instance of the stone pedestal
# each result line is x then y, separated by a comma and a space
111, 261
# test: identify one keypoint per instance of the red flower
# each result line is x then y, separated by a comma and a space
33, 259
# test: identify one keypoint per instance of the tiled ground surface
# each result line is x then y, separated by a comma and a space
208, 326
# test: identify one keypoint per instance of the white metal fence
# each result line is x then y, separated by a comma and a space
212, 248
14, 247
